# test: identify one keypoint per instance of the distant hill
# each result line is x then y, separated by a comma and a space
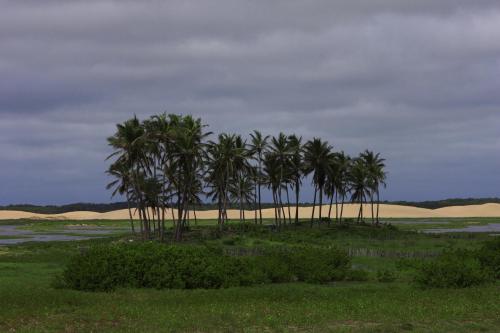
445, 203
51, 209
107, 207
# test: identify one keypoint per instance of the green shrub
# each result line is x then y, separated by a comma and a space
456, 269
154, 265
357, 275
272, 268
407, 264
489, 256
314, 264
386, 275
151, 265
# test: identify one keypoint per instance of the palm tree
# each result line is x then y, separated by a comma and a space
344, 167
227, 162
376, 177
122, 184
258, 147
332, 185
359, 186
128, 149
216, 175
242, 172
165, 163
242, 193
280, 150
194, 196
188, 158
273, 182
296, 168
317, 157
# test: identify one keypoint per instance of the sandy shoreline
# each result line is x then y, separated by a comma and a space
350, 210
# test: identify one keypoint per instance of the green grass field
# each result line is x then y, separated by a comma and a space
28, 303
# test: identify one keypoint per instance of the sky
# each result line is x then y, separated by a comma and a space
417, 81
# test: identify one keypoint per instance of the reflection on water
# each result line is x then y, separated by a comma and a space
13, 231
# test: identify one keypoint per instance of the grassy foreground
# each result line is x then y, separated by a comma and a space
28, 303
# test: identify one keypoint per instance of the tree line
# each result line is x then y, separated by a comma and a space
165, 167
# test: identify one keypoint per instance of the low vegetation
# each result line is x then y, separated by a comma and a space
229, 264
461, 268
153, 265
457, 269
285, 285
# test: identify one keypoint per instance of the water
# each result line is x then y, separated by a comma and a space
14, 231
417, 222
492, 228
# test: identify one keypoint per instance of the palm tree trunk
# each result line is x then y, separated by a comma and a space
225, 207
288, 203
282, 206
180, 215
130, 214
330, 208
219, 206
183, 213
342, 207
314, 205
276, 208
148, 214
240, 204
320, 204
163, 222
297, 192
146, 222
279, 211
378, 206
195, 218
260, 206
159, 220
181, 223
336, 207
178, 225
360, 209
174, 219
254, 202
141, 225
372, 204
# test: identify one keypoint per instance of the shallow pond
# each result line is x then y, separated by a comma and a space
489, 228
15, 234
417, 222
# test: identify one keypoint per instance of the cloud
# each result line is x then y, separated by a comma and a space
416, 81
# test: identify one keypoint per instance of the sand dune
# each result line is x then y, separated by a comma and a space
486, 210
350, 210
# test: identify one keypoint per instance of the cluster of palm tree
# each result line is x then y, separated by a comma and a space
164, 166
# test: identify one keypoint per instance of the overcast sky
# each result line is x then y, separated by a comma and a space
418, 81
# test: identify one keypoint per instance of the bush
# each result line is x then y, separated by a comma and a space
154, 265
386, 275
456, 269
313, 264
271, 269
357, 275
151, 265
489, 257
406, 264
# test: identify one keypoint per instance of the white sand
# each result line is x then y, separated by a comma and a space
386, 211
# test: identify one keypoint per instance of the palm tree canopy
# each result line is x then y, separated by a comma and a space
317, 160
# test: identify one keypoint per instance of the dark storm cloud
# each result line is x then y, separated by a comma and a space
417, 81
